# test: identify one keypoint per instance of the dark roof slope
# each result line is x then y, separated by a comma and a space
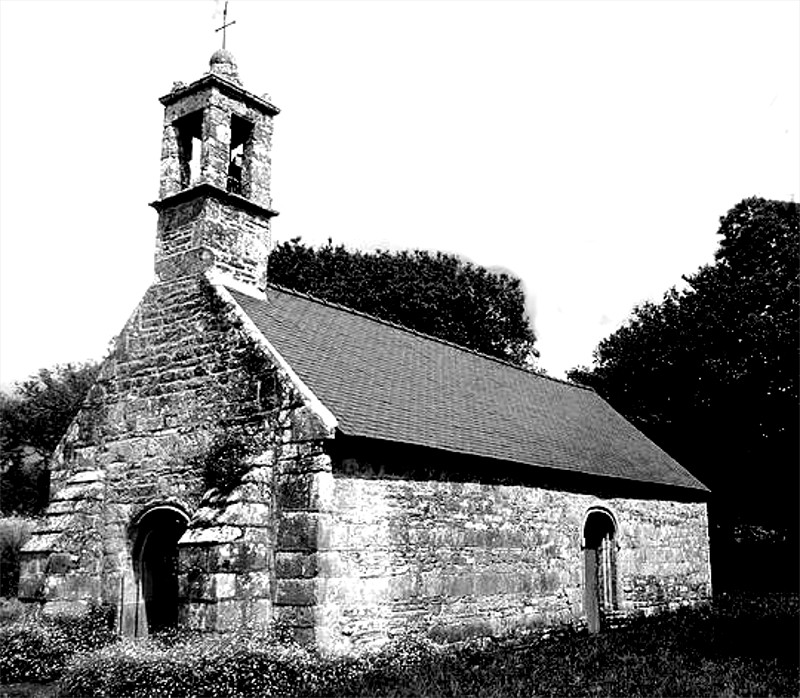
385, 382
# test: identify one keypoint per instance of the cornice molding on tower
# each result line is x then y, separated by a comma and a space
207, 190
225, 86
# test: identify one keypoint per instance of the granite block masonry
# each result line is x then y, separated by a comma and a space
252, 458
182, 376
464, 559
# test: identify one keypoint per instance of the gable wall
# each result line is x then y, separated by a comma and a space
182, 369
463, 559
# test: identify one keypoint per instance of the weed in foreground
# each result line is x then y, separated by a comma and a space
740, 646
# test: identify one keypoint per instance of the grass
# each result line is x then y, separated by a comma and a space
741, 646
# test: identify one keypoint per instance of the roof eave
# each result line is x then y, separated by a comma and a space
698, 489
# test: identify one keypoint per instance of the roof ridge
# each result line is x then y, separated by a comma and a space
439, 340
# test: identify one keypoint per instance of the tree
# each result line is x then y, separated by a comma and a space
435, 293
711, 373
33, 418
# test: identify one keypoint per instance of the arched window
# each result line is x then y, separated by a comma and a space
155, 563
600, 567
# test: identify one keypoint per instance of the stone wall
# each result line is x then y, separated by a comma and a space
206, 232
247, 560
460, 559
186, 371
341, 553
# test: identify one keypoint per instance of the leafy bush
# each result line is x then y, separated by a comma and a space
11, 610
691, 652
33, 418
14, 533
225, 462
238, 665
435, 293
32, 651
229, 665
36, 649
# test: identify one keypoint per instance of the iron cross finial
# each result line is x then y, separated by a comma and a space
225, 24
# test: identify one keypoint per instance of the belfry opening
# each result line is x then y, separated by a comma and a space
239, 157
189, 130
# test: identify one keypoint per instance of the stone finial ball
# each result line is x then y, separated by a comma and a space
223, 63
222, 56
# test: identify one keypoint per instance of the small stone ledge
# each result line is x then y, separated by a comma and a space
87, 476
41, 543
74, 608
88, 490
211, 535
251, 492
246, 514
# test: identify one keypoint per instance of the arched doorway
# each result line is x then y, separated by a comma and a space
155, 560
599, 567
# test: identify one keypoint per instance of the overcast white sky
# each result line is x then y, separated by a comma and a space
586, 147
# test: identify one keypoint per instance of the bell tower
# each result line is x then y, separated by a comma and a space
214, 205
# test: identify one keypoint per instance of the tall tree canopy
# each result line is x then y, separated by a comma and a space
33, 418
711, 373
437, 294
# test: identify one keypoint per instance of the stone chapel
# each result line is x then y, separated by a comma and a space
252, 457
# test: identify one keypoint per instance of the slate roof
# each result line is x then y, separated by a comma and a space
382, 381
